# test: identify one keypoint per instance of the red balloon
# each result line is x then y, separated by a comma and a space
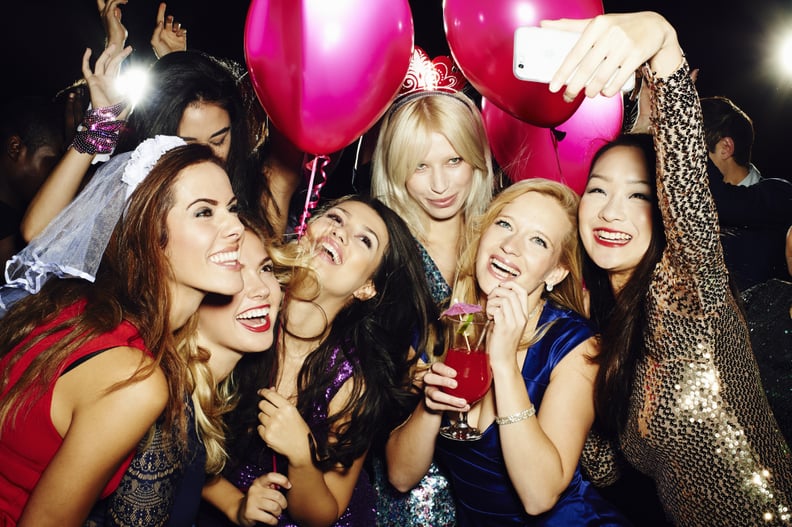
562, 153
481, 37
326, 70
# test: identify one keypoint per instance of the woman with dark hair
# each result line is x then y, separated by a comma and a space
339, 378
87, 368
191, 95
678, 385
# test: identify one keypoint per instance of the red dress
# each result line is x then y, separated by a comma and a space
27, 448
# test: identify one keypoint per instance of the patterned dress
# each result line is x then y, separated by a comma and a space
430, 503
699, 423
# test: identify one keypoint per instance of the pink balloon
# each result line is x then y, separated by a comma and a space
326, 70
562, 153
481, 37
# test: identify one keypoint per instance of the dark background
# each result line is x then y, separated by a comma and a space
731, 42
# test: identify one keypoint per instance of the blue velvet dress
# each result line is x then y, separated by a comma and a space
484, 493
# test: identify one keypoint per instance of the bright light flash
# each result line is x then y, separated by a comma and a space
785, 54
132, 84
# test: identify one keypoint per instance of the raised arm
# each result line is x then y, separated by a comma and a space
317, 498
107, 108
110, 13
169, 35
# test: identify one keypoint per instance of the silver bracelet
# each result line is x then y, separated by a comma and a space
516, 418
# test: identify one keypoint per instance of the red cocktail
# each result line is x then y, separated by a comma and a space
473, 373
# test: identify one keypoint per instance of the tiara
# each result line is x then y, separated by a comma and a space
431, 75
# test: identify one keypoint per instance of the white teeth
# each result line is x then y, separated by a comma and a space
221, 258
608, 235
503, 268
332, 252
259, 312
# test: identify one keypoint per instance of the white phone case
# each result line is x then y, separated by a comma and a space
539, 52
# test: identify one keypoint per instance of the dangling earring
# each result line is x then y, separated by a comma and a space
548, 287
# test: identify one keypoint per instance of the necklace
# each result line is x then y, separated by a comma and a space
535, 310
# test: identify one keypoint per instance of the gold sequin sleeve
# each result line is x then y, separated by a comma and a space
699, 422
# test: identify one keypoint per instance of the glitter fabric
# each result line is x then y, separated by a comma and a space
699, 422
429, 504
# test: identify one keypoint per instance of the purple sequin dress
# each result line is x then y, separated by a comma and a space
361, 511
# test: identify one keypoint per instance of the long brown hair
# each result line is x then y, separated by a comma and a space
130, 285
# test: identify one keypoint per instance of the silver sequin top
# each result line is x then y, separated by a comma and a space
699, 422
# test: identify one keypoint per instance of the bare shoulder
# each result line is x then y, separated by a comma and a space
580, 361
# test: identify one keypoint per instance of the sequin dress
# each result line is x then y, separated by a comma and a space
361, 509
699, 423
430, 503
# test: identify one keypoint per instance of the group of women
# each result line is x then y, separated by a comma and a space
207, 359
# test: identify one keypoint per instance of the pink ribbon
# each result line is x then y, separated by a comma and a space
314, 188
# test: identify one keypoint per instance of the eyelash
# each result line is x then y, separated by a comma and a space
335, 218
204, 212
503, 223
267, 268
540, 242
366, 241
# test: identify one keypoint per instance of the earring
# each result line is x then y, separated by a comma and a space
548, 287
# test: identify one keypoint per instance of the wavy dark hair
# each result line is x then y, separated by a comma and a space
622, 319
130, 285
375, 337
184, 78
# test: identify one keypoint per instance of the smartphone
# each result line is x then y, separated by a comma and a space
539, 52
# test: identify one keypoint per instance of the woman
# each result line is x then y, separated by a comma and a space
339, 377
228, 328
678, 384
432, 165
190, 94
88, 368
524, 268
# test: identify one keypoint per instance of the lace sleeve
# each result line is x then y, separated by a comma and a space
693, 260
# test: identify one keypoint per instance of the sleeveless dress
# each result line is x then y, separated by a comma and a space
361, 509
27, 448
485, 495
430, 503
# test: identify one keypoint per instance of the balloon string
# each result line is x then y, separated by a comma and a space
314, 188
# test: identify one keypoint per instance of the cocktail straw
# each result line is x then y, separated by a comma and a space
483, 333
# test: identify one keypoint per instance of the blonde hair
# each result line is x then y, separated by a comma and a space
567, 293
404, 140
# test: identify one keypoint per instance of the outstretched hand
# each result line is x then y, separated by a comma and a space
115, 32
169, 35
101, 80
611, 47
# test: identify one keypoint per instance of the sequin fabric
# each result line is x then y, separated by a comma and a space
438, 287
361, 511
699, 422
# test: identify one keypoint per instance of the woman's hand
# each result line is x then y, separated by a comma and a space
101, 80
283, 429
115, 32
263, 502
611, 47
169, 35
507, 307
438, 376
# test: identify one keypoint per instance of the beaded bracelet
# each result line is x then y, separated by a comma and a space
516, 418
98, 133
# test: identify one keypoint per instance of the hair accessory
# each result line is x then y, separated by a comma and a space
72, 245
549, 287
516, 418
431, 75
